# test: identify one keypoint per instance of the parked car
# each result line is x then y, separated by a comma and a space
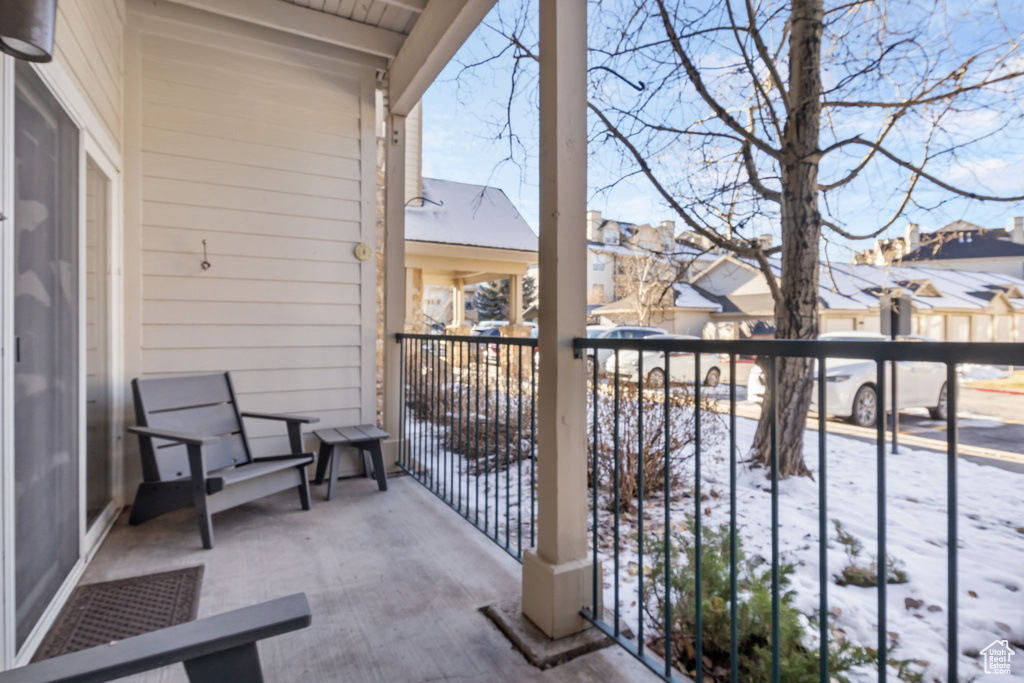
486, 325
681, 366
850, 392
600, 356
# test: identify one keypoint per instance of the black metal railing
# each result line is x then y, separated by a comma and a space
621, 401
468, 427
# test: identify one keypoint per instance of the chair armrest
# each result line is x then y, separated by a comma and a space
283, 417
204, 639
294, 422
180, 437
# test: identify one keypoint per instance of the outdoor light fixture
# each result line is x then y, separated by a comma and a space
26, 28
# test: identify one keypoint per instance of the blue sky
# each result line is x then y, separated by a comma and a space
463, 113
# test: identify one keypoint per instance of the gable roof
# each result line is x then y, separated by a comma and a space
973, 242
858, 287
472, 215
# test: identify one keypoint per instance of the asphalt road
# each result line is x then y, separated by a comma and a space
988, 420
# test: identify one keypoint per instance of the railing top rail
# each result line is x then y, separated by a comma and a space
999, 353
506, 341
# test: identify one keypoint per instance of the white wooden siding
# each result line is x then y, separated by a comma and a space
414, 153
263, 149
89, 45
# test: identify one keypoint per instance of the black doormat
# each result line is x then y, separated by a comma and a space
98, 613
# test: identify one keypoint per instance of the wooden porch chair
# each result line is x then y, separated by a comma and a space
194, 449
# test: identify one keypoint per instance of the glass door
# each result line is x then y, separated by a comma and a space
46, 336
99, 490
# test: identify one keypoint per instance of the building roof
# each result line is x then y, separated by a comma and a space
974, 243
858, 287
688, 296
472, 215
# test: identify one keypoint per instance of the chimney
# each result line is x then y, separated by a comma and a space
765, 240
594, 221
669, 225
1015, 226
912, 238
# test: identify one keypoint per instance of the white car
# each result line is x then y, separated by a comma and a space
600, 356
850, 392
485, 325
681, 366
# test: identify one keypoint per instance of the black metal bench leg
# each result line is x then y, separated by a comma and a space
321, 463
332, 470
240, 663
204, 517
304, 488
377, 455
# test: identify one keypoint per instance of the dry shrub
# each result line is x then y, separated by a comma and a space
682, 434
478, 411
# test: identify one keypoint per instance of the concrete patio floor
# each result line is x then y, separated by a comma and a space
395, 580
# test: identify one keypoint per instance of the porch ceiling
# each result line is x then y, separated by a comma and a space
412, 40
443, 264
395, 581
394, 15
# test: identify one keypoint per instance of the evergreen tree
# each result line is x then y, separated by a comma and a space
529, 292
491, 298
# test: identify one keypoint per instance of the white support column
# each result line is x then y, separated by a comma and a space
394, 280
515, 300
459, 303
557, 574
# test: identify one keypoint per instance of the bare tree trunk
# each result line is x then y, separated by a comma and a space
796, 313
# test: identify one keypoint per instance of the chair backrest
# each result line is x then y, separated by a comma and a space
195, 404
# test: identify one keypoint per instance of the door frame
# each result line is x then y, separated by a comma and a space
90, 539
94, 141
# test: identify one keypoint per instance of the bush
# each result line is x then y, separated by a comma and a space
447, 396
681, 420
754, 614
855, 573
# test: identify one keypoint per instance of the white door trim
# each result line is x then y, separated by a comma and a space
6, 363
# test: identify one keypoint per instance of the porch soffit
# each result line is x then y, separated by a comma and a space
368, 29
416, 37
445, 263
393, 15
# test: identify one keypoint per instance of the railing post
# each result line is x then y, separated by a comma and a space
557, 574
394, 283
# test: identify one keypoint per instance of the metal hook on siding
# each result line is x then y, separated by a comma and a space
206, 263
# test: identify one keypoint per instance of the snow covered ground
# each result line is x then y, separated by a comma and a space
991, 542
991, 545
980, 372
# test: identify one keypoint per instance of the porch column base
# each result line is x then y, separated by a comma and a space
390, 449
553, 594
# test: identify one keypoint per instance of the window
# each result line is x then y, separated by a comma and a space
611, 236
599, 261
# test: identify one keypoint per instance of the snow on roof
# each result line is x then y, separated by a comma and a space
846, 286
474, 215
688, 297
